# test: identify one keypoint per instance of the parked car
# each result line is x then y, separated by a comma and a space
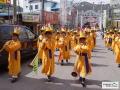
27, 39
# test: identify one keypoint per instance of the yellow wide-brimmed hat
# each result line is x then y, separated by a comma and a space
16, 31
43, 28
47, 29
75, 31
111, 31
63, 30
119, 32
82, 35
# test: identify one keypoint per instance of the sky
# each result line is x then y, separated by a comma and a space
96, 1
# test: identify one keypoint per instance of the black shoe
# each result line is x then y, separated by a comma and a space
83, 84
49, 79
62, 63
13, 80
19, 74
118, 65
84, 79
66, 61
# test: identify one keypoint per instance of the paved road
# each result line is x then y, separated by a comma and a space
104, 69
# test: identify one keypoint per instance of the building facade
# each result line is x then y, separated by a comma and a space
115, 2
63, 12
36, 6
115, 13
90, 13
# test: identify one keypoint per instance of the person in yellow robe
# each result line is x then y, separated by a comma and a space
39, 41
82, 65
48, 49
109, 39
89, 41
69, 39
40, 51
74, 39
13, 48
92, 39
63, 45
117, 50
105, 38
94, 35
57, 36
115, 39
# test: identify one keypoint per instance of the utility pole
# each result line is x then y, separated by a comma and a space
9, 12
81, 19
93, 6
63, 12
19, 12
15, 12
77, 18
102, 16
42, 13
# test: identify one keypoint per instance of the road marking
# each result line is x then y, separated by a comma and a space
110, 85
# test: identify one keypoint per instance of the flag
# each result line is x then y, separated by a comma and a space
35, 64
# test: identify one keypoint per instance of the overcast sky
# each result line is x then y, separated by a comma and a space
96, 1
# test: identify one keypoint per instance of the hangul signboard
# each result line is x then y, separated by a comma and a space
30, 18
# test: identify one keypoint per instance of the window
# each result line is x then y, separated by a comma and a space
23, 35
5, 32
29, 33
31, 7
1, 7
36, 6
